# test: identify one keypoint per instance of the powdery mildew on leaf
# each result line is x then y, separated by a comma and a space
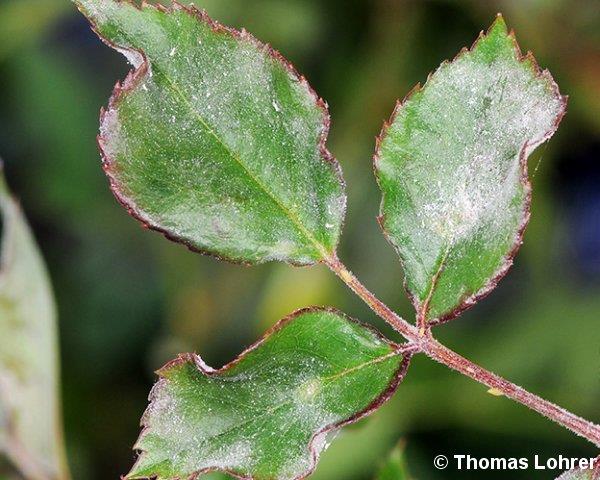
452, 166
215, 140
270, 413
30, 425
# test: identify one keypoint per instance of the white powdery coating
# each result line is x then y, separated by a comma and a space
239, 135
110, 128
272, 417
501, 110
213, 443
135, 59
454, 163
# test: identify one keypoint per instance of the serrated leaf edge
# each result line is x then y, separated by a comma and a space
470, 300
134, 79
405, 350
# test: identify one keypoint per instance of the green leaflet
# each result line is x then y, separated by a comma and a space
270, 413
452, 166
395, 466
30, 423
215, 140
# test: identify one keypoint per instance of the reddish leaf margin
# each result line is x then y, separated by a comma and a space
405, 350
528, 58
136, 76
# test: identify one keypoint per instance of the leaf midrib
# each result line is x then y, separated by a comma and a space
287, 211
423, 314
288, 402
273, 408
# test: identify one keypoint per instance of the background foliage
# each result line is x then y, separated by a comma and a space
129, 301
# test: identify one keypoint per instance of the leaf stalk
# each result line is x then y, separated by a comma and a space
425, 343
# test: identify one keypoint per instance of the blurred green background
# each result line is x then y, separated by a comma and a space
129, 300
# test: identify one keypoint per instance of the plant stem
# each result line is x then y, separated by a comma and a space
425, 343
578, 425
380, 308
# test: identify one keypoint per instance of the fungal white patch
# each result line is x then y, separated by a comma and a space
276, 402
453, 159
470, 147
134, 58
309, 389
110, 132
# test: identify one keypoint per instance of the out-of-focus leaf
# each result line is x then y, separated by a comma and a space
287, 290
271, 412
24, 21
452, 165
30, 422
579, 474
395, 466
44, 82
215, 140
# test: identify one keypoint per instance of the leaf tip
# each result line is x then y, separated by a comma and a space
499, 24
497, 40
495, 48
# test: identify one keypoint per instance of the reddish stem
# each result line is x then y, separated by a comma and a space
426, 344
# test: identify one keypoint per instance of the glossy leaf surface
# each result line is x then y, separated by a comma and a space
30, 425
215, 140
452, 166
270, 413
